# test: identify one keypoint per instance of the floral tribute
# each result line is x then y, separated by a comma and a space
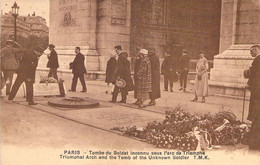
183, 131
48, 80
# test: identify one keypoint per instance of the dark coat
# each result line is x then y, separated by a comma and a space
184, 63
169, 68
254, 83
136, 68
123, 70
78, 65
110, 70
155, 64
28, 66
53, 60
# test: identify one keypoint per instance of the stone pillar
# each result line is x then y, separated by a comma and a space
240, 29
113, 27
73, 23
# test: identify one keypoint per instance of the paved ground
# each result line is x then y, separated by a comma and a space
39, 134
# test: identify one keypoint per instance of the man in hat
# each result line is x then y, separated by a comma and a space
122, 71
253, 85
184, 70
169, 71
26, 73
53, 63
78, 70
10, 56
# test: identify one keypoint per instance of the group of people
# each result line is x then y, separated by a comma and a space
14, 59
146, 84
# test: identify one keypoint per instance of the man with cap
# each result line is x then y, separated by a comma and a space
26, 73
184, 70
53, 63
10, 56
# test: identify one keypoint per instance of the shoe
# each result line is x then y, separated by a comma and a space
112, 101
194, 100
203, 100
171, 90
165, 89
32, 103
122, 101
106, 92
152, 103
141, 105
184, 90
84, 91
180, 89
137, 102
72, 90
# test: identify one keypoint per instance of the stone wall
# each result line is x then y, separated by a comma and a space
174, 24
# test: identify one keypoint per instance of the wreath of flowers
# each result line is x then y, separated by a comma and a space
182, 131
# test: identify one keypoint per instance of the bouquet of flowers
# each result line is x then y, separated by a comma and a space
47, 80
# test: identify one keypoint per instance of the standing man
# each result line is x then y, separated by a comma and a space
155, 67
10, 62
253, 85
169, 71
53, 63
78, 69
122, 71
26, 73
184, 70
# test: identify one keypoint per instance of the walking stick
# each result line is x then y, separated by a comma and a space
23, 91
244, 105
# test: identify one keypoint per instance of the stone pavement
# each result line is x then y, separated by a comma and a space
47, 128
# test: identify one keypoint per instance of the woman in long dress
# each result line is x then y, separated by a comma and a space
201, 79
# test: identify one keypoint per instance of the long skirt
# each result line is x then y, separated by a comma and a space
201, 86
142, 96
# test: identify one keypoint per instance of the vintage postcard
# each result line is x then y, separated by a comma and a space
87, 82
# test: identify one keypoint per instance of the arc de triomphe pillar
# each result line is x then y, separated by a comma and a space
240, 29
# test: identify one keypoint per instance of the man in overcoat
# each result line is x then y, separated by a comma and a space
26, 73
122, 71
184, 70
155, 66
78, 70
253, 85
10, 56
169, 71
53, 63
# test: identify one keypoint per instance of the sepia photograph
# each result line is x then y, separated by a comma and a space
130, 82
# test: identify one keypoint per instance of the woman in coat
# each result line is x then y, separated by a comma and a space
53, 63
110, 71
144, 75
155, 67
201, 79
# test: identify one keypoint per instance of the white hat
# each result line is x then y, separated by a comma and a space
144, 51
